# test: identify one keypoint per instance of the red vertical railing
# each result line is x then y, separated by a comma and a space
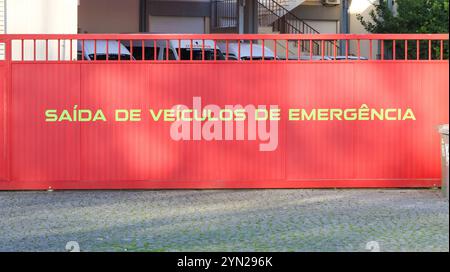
390, 47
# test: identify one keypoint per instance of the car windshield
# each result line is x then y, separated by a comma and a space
197, 54
257, 58
149, 52
110, 57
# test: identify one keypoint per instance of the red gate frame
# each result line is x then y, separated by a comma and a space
33, 156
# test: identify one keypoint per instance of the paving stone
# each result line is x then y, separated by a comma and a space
225, 220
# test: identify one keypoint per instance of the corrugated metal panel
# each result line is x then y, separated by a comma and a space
41, 150
105, 155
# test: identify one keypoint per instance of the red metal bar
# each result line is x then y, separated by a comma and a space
71, 49
155, 57
275, 49
143, 50
310, 50
107, 50
179, 50
322, 53
167, 49
346, 49
95, 50
251, 50
239, 50
263, 50
82, 50
287, 50
34, 49
382, 50
418, 49
393, 50
191, 53
334, 49
315, 37
23, 51
59, 49
359, 49
119, 50
429, 50
406, 49
370, 50
203, 50
131, 50
215, 50
46, 49
226, 50
442, 49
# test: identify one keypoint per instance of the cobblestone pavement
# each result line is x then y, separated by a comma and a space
225, 220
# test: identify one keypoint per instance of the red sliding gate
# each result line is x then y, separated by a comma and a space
297, 121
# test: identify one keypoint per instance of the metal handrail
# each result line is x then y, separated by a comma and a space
287, 12
301, 26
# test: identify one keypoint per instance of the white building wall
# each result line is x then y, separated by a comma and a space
171, 24
41, 17
108, 16
2, 17
2, 27
363, 8
324, 26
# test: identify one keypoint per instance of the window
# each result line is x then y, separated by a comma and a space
257, 58
197, 54
148, 51
103, 56
171, 54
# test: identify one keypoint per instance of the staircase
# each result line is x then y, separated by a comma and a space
276, 9
275, 16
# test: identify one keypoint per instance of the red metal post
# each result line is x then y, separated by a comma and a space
287, 50
418, 50
429, 50
203, 50
179, 50
393, 50
119, 50
406, 49
239, 50
131, 50
263, 50
143, 50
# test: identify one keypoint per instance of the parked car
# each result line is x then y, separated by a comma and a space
313, 57
247, 52
346, 58
96, 50
328, 57
183, 46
